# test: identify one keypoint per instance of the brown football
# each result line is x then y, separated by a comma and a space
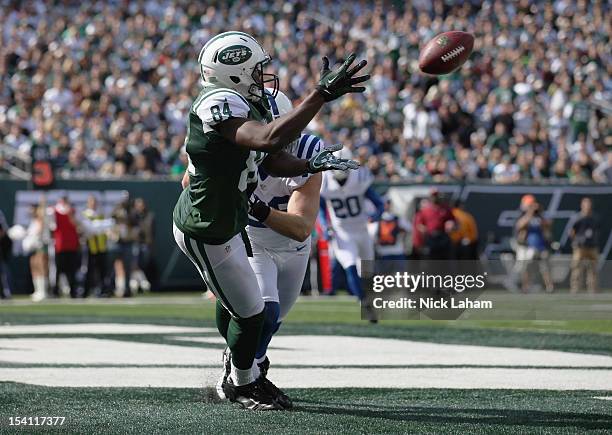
446, 52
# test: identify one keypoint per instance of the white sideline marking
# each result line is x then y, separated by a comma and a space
101, 351
344, 350
481, 378
603, 398
309, 350
99, 328
300, 350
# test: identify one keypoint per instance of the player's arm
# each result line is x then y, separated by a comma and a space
284, 164
277, 134
274, 136
377, 201
298, 221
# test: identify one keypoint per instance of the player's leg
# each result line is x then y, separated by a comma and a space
290, 279
346, 252
290, 267
366, 252
228, 274
266, 271
289, 270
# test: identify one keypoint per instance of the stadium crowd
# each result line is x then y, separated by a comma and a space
107, 84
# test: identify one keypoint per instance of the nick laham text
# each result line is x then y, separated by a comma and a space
431, 303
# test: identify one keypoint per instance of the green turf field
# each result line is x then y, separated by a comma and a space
318, 411
342, 410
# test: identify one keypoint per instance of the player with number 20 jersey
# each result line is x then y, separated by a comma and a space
343, 198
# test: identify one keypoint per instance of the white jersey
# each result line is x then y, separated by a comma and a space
276, 193
346, 203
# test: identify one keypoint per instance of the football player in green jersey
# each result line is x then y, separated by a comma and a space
230, 132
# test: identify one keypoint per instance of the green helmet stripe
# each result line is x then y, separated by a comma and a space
223, 35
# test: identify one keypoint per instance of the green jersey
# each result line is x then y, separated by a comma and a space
581, 112
214, 207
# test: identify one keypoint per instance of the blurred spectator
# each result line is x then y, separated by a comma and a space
506, 171
585, 244
603, 172
108, 86
5, 253
465, 235
97, 278
532, 235
578, 112
434, 221
142, 229
390, 234
34, 243
122, 237
66, 239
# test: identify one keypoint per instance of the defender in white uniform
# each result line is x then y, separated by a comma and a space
281, 244
343, 198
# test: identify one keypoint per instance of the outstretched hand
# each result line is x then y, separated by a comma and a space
334, 84
325, 160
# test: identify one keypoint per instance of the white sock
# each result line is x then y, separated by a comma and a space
255, 370
260, 360
241, 377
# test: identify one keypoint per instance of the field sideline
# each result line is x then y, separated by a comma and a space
147, 364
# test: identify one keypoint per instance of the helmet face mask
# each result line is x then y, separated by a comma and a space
261, 79
236, 60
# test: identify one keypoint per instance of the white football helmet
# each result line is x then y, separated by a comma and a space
235, 60
280, 104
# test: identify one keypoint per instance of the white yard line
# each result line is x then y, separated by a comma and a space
317, 361
298, 350
99, 328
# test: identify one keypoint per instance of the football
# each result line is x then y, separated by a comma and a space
446, 52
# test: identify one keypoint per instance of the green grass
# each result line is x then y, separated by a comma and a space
323, 310
317, 411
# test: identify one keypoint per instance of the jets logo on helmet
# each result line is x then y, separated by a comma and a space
235, 54
235, 60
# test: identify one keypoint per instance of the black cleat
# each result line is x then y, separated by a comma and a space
370, 313
227, 368
281, 398
251, 396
